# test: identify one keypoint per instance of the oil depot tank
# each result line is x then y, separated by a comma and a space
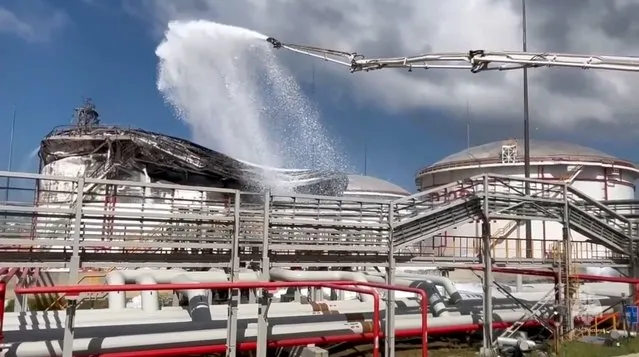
368, 187
597, 174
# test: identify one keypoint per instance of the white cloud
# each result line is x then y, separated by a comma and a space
559, 97
36, 22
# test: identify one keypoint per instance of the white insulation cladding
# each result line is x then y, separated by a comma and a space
597, 174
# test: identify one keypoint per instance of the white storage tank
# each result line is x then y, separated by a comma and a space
372, 188
597, 174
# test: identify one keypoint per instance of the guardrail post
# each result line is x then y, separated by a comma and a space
389, 330
69, 327
265, 300
234, 301
74, 263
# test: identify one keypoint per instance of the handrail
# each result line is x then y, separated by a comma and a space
589, 200
84, 277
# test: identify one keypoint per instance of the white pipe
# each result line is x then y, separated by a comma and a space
117, 299
48, 345
198, 302
617, 334
446, 283
42, 319
300, 275
435, 299
522, 343
150, 298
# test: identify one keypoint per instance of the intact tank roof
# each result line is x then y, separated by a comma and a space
540, 150
360, 183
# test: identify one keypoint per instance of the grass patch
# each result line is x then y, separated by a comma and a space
581, 349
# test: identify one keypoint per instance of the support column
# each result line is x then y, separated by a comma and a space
231, 337
567, 262
632, 269
74, 261
69, 327
265, 299
568, 319
488, 291
21, 301
487, 347
389, 329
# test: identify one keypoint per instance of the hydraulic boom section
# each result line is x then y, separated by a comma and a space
474, 60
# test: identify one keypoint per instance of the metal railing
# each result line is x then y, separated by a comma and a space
144, 222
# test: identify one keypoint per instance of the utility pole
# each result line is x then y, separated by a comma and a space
365, 157
10, 159
529, 243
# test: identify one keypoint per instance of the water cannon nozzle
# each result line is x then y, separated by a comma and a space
274, 42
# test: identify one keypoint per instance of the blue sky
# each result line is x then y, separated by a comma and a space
99, 49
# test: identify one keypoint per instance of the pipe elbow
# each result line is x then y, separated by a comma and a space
449, 286
115, 277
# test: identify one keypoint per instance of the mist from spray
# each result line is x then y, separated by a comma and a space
227, 84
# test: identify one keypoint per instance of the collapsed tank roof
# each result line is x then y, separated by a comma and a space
167, 158
540, 151
360, 183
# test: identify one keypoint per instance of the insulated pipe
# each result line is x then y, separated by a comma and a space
248, 346
435, 299
198, 302
17, 323
301, 275
150, 298
417, 281
117, 299
446, 283
521, 343
52, 319
198, 334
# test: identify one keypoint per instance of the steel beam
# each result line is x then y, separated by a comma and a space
234, 301
389, 345
262, 319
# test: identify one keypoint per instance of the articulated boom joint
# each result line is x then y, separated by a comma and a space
475, 60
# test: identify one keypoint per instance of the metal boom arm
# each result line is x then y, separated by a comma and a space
475, 60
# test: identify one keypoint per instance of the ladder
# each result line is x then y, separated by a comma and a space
538, 312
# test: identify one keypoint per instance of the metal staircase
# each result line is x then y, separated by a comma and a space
433, 211
598, 222
541, 312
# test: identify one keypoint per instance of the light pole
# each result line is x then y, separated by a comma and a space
10, 159
529, 243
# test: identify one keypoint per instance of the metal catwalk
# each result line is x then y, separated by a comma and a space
48, 224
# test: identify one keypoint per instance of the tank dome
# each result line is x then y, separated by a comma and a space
372, 187
540, 150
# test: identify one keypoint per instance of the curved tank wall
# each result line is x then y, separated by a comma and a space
600, 176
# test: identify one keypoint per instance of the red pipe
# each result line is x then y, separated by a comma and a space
247, 346
424, 307
78, 289
377, 321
